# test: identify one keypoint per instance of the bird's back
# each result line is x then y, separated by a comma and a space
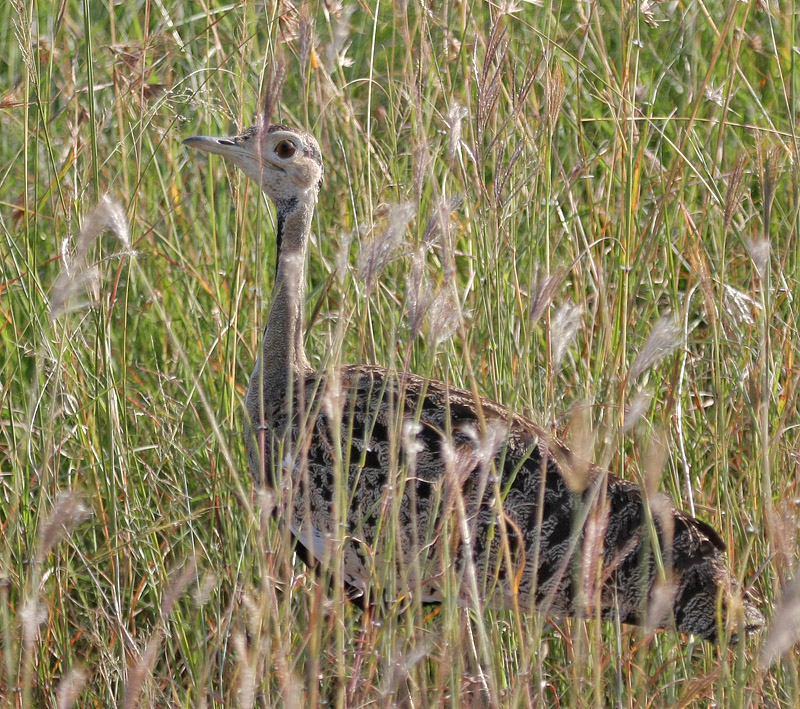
417, 477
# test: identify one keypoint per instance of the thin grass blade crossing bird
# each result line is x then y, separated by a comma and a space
469, 487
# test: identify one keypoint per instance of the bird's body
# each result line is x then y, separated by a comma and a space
386, 471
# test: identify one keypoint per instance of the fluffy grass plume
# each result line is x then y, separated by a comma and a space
580, 207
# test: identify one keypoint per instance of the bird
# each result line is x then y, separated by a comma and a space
387, 471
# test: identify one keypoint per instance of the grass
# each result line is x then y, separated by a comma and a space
616, 163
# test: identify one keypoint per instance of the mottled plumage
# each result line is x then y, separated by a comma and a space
395, 469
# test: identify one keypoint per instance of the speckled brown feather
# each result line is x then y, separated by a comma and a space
413, 447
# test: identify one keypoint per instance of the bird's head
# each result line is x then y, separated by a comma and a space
286, 163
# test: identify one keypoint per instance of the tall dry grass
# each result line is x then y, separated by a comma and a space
586, 211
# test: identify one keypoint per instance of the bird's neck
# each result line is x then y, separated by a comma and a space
283, 357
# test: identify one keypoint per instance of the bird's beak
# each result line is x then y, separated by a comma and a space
226, 147
243, 156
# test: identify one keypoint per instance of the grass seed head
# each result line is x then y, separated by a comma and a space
581, 437
592, 552
784, 632
70, 285
108, 214
335, 398
555, 92
141, 669
68, 512
439, 222
655, 460
418, 293
412, 447
336, 49
636, 409
378, 253
660, 603
343, 256
715, 94
273, 89
563, 329
739, 306
771, 159
664, 338
177, 586
647, 10
70, 687
77, 275
759, 252
733, 195
455, 117
444, 316
543, 290
33, 615
487, 442
305, 39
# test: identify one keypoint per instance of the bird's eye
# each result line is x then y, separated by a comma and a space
285, 149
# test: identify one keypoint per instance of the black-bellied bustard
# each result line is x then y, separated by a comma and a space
514, 524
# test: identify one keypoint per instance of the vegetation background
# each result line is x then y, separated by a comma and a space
588, 209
